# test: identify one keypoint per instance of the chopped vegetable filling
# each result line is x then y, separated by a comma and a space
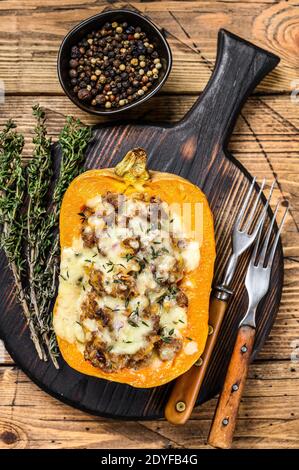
123, 305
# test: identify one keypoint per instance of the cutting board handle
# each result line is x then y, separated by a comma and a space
239, 67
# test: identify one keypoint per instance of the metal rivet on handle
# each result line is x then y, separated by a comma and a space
225, 421
235, 387
210, 330
180, 406
244, 349
199, 362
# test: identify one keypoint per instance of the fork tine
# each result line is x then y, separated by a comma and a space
259, 229
261, 219
252, 212
245, 203
274, 246
268, 235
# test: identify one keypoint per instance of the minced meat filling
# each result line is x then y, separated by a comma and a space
127, 267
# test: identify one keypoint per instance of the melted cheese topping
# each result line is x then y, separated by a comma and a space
120, 255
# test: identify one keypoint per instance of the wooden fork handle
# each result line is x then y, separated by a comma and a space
224, 421
184, 393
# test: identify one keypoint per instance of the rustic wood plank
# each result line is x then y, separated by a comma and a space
156, 5
269, 417
253, 434
277, 379
30, 36
242, 65
273, 119
265, 141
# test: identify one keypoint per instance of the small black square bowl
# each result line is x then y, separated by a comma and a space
96, 22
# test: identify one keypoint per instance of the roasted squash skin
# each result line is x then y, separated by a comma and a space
197, 284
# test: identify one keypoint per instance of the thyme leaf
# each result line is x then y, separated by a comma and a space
29, 213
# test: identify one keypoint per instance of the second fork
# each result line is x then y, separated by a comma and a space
186, 388
257, 284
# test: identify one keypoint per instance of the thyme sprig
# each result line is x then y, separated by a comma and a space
12, 193
73, 140
31, 219
39, 176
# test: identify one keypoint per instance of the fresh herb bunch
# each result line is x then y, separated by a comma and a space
39, 175
73, 140
12, 194
12, 186
30, 218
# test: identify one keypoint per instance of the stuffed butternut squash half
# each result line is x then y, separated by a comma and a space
137, 257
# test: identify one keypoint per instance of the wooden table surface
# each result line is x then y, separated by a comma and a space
265, 140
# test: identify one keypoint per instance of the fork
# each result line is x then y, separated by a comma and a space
184, 393
257, 285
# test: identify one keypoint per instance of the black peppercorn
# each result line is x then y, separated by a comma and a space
116, 63
113, 66
73, 63
73, 73
100, 99
84, 95
75, 52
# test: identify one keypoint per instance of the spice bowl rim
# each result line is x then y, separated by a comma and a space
108, 112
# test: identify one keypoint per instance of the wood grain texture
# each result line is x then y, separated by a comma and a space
268, 417
265, 141
194, 148
31, 32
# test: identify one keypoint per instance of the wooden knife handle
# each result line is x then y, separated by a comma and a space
184, 393
224, 421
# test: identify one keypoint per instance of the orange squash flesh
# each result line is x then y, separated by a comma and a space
197, 284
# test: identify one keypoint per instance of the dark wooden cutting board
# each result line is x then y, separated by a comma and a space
195, 148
